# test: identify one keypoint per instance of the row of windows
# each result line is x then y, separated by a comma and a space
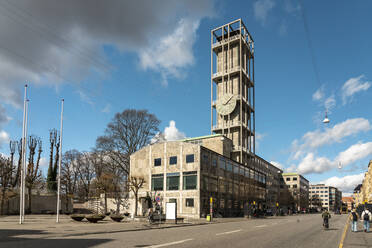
189, 202
173, 160
319, 192
289, 179
173, 181
313, 187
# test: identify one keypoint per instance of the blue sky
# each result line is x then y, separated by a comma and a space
104, 58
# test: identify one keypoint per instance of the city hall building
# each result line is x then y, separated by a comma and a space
191, 171
224, 165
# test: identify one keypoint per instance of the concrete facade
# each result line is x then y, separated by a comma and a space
322, 196
235, 188
295, 191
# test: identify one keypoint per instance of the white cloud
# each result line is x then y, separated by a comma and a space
355, 153
330, 103
319, 94
315, 139
312, 164
262, 8
4, 138
43, 161
172, 52
353, 86
107, 108
60, 49
345, 184
277, 164
172, 133
4, 118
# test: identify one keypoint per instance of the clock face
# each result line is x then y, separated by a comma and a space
226, 104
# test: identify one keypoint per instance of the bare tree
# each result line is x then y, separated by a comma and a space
135, 184
51, 178
6, 171
85, 170
16, 178
69, 174
33, 175
128, 132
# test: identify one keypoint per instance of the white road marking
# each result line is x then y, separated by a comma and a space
261, 226
171, 243
229, 232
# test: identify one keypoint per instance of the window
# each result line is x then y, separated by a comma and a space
173, 160
294, 186
294, 179
157, 162
214, 162
190, 158
173, 181
288, 179
189, 180
190, 202
173, 200
157, 181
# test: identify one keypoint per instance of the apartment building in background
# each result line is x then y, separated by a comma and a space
325, 197
294, 191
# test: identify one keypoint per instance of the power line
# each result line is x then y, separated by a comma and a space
308, 37
48, 34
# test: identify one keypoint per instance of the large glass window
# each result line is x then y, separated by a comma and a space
173, 160
157, 162
157, 181
189, 180
190, 158
173, 181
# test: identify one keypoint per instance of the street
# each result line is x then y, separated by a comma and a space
288, 231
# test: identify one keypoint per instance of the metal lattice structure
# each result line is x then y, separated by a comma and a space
232, 88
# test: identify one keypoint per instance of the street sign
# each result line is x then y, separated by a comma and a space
157, 199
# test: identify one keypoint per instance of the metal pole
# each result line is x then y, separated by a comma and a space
59, 162
23, 147
25, 164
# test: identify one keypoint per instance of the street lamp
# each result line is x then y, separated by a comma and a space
326, 120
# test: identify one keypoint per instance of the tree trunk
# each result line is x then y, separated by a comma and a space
67, 210
105, 203
136, 203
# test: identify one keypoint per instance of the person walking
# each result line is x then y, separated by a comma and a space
354, 220
366, 217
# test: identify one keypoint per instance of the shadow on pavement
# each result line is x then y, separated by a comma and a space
9, 238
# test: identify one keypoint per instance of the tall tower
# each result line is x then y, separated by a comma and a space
232, 88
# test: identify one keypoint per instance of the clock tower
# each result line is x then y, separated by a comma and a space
232, 88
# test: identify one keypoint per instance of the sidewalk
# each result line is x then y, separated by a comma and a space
358, 239
45, 226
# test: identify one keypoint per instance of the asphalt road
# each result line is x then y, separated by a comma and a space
292, 231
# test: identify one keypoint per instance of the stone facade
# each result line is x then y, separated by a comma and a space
189, 173
364, 193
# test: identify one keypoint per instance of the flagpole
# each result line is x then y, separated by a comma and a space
25, 164
59, 162
23, 148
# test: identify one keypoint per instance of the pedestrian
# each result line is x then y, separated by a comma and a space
354, 220
366, 217
326, 216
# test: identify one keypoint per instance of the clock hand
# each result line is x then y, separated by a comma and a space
228, 100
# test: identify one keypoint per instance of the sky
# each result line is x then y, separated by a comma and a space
105, 57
